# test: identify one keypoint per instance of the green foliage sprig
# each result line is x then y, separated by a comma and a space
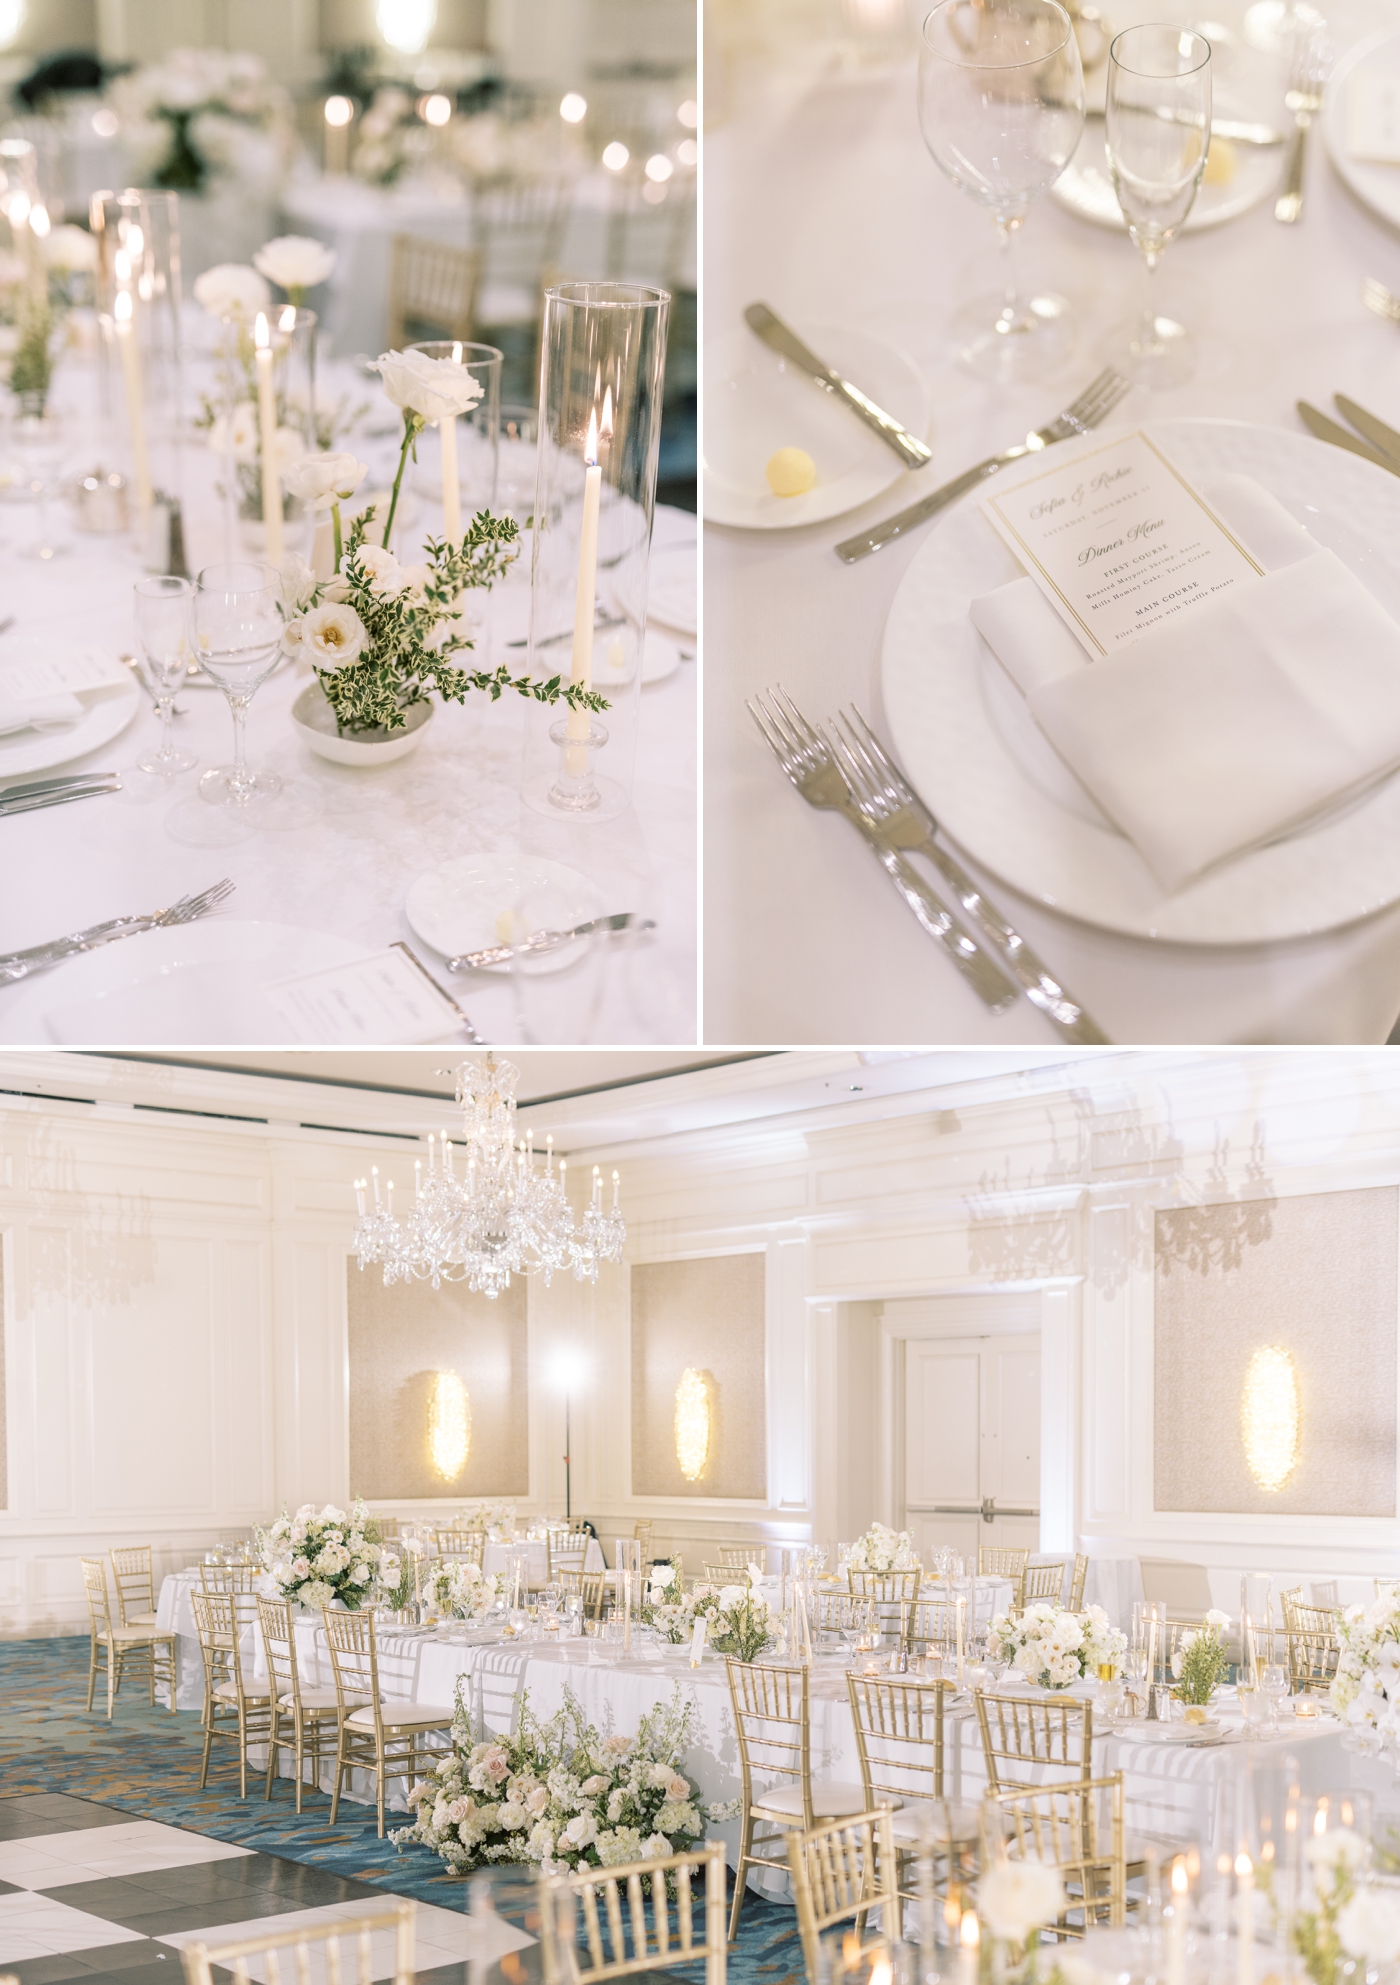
1202, 1665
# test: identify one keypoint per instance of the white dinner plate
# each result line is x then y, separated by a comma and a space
1376, 186
672, 587
1085, 186
1137, 1730
983, 767
106, 714
755, 404
198, 983
454, 907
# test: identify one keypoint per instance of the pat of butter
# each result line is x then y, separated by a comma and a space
791, 472
505, 927
1220, 163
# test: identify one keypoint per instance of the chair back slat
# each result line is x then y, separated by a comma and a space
354, 1658
95, 1588
134, 1579
840, 1612
899, 1738
839, 1869
279, 1639
1023, 1737
1005, 1561
589, 1586
333, 1942
1076, 1827
1076, 1590
434, 284
926, 1623
598, 1924
1043, 1582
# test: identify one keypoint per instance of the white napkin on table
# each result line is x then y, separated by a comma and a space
36, 713
1210, 735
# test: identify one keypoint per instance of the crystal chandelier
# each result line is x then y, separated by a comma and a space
489, 1207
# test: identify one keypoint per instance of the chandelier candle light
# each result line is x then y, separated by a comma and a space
508, 1215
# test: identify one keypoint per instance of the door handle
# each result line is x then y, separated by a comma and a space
987, 1509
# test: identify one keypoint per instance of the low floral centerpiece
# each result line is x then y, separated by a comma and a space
1365, 1691
882, 1549
202, 114
319, 1556
1016, 1900
1198, 1662
34, 307
464, 1590
560, 1794
671, 1611
1053, 1648
1342, 1920
742, 1623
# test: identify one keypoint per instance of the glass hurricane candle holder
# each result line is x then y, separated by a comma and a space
463, 453
138, 292
235, 428
604, 350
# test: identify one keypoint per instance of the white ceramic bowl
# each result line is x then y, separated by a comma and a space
314, 718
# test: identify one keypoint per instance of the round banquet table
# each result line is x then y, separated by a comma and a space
853, 222
344, 875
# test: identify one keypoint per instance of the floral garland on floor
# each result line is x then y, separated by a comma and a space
323, 1554
560, 1794
1052, 1648
882, 1549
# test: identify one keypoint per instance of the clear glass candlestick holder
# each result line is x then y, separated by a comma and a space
474, 441
603, 355
235, 435
139, 291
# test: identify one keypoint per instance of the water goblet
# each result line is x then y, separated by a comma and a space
238, 626
164, 614
1275, 1681
41, 442
1157, 136
1001, 108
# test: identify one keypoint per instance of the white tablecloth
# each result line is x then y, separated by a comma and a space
348, 872
821, 199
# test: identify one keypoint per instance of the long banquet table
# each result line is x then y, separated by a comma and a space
829, 208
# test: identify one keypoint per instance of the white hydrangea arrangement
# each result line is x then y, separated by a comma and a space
560, 1794
671, 1611
201, 114
882, 1549
488, 1514
1052, 1648
1365, 1691
323, 1554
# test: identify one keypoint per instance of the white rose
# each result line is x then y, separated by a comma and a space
431, 387
294, 261
232, 289
333, 637
582, 1828
385, 576
322, 480
70, 249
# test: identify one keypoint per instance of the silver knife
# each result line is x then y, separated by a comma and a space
544, 940
776, 335
32, 802
1385, 438
1233, 128
1328, 430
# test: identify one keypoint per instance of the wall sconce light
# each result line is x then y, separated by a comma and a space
449, 1425
12, 14
692, 1423
406, 24
1270, 1417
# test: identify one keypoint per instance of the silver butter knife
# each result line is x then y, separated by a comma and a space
1383, 437
1329, 430
22, 799
777, 336
544, 940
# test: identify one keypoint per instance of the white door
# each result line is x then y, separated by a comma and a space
972, 1442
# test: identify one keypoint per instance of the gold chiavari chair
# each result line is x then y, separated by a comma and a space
1076, 1589
1314, 1646
735, 1556
899, 1730
313, 1715
1386, 1588
233, 1708
135, 1582
468, 1544
518, 232
566, 1549
1076, 1827
432, 285
240, 1583
622, 1936
1043, 1582
1004, 1561
590, 1586
386, 1738
844, 1868
642, 1530
1026, 1737
205, 1962
724, 1574
123, 1646
773, 1727
891, 1591
929, 1623
389, 1528
840, 1613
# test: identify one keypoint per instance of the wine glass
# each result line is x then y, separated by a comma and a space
239, 630
164, 614
1001, 107
1274, 1681
1157, 136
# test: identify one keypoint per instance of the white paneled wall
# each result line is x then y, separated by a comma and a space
174, 1294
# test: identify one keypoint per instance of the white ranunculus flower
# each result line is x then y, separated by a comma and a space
431, 387
322, 480
70, 249
333, 637
232, 289
294, 261
386, 577
1369, 1926
1018, 1897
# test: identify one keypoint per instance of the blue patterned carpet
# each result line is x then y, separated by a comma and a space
146, 1763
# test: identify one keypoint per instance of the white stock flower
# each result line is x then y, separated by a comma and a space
232, 289
333, 637
322, 480
71, 250
294, 261
1018, 1897
1369, 1926
1215, 1618
433, 388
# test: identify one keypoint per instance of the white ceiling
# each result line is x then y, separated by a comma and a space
544, 1072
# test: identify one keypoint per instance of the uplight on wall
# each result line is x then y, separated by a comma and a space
1270, 1417
406, 24
449, 1425
11, 21
692, 1423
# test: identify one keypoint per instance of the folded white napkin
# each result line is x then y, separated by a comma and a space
1213, 734
36, 713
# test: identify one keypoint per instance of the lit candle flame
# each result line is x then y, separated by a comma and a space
1180, 1878
121, 266
607, 412
121, 307
971, 1931
261, 336
456, 354
288, 320
590, 446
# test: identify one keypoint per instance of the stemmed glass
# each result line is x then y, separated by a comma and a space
1275, 1682
164, 614
1157, 136
239, 628
1001, 107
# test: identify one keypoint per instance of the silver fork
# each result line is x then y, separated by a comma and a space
1094, 404
1304, 98
807, 759
894, 812
20, 964
1377, 297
